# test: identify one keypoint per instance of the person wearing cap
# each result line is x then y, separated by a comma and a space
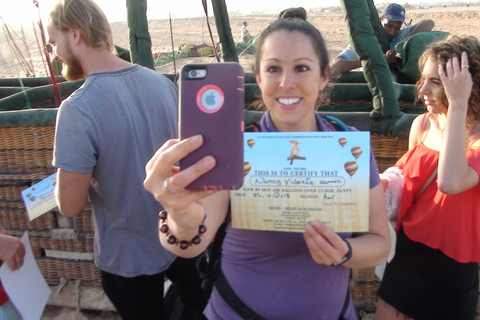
392, 20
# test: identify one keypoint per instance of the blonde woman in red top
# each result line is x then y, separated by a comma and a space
434, 274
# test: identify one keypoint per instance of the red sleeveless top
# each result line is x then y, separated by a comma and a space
450, 223
3, 295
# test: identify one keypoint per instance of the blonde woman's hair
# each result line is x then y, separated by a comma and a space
453, 46
85, 16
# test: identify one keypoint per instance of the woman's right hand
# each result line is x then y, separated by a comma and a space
185, 207
457, 81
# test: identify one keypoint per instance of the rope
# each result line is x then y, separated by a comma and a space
38, 44
63, 282
56, 91
173, 50
186, 31
253, 23
77, 293
14, 50
204, 2
154, 49
5, 64
32, 67
28, 104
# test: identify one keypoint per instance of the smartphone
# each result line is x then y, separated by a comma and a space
211, 98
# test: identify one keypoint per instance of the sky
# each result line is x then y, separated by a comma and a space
23, 11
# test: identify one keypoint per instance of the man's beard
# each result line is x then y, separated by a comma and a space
72, 70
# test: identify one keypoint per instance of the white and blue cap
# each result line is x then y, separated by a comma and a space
394, 12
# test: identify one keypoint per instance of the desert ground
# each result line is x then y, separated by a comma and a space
456, 20
29, 61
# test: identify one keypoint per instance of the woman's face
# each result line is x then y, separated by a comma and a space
290, 79
432, 88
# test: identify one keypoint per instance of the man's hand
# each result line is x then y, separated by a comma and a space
390, 55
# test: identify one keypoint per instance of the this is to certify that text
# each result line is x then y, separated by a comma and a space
292, 179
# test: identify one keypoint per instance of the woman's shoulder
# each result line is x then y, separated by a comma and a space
418, 129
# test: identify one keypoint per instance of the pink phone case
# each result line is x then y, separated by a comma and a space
213, 107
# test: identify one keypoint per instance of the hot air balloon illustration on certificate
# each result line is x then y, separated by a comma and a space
357, 152
351, 167
246, 168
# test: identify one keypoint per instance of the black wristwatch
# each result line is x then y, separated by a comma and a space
347, 256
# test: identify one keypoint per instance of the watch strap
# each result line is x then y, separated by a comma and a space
347, 256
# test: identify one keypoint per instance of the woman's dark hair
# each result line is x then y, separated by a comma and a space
299, 13
453, 46
296, 25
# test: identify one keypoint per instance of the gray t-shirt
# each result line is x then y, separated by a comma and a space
111, 126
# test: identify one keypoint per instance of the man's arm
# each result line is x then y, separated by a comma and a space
422, 26
71, 191
340, 64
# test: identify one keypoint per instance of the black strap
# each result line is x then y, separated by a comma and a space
231, 298
208, 263
346, 303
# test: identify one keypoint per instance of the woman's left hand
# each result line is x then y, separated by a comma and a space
326, 246
457, 80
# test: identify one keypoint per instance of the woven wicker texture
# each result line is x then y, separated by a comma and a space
72, 270
363, 287
26, 149
387, 149
25, 159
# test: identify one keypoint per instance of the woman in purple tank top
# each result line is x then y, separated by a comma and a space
278, 275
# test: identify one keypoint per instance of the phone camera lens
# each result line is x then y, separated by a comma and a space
193, 73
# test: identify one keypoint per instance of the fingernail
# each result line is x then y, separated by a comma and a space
209, 162
196, 140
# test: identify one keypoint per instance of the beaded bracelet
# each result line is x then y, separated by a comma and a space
171, 239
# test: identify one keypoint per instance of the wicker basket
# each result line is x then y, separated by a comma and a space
363, 287
387, 149
54, 269
14, 216
84, 221
42, 239
27, 138
26, 149
25, 159
12, 191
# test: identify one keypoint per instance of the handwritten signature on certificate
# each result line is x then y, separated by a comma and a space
292, 179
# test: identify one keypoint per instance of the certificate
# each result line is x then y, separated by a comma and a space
40, 198
295, 178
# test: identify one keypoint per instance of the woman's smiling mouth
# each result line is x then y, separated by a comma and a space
288, 101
